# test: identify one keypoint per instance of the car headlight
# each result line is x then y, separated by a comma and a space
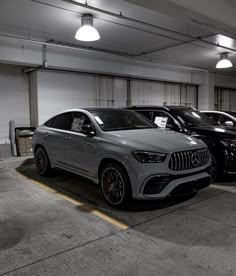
149, 157
229, 142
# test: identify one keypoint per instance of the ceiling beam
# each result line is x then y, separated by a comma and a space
145, 23
220, 16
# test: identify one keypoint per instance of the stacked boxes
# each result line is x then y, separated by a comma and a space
24, 142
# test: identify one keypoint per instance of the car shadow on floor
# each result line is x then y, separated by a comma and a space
181, 236
226, 180
81, 189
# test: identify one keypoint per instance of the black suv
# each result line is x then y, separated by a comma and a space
221, 142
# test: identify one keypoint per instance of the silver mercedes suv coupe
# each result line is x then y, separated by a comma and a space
123, 152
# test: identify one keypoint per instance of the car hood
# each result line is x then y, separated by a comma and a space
155, 140
222, 132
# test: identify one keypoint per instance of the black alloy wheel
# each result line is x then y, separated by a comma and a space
115, 185
42, 161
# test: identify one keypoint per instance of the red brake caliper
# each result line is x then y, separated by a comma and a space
109, 182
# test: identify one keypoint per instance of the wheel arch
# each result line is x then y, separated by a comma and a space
106, 161
38, 145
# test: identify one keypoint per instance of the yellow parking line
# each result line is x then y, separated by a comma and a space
86, 207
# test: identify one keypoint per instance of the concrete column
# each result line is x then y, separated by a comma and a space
33, 95
206, 92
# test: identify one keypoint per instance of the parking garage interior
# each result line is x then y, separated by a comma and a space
150, 53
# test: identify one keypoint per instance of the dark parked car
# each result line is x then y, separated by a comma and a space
221, 141
226, 119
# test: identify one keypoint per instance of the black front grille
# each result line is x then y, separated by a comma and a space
189, 159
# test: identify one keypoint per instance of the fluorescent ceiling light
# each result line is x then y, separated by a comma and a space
225, 41
87, 32
224, 61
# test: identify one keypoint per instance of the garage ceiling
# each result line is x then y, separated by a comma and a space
161, 36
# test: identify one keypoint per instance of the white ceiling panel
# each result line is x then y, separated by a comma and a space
160, 36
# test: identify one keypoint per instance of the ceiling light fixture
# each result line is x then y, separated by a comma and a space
87, 32
224, 61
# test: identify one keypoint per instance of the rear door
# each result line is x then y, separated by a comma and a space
55, 135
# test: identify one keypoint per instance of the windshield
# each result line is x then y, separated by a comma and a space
192, 117
120, 119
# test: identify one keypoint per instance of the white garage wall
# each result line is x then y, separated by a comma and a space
146, 92
225, 99
58, 91
110, 92
14, 99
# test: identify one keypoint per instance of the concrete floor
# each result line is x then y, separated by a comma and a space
43, 231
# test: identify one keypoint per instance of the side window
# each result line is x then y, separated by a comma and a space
49, 122
222, 119
213, 116
79, 121
62, 121
164, 120
226, 121
147, 114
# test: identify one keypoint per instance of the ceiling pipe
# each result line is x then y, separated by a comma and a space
121, 16
167, 47
116, 54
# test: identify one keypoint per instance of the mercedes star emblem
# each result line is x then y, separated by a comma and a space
195, 159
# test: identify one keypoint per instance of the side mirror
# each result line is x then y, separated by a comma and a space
88, 130
229, 123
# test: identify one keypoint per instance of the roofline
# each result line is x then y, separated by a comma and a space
165, 107
87, 109
147, 106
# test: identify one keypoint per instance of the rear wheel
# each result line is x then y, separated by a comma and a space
42, 161
115, 185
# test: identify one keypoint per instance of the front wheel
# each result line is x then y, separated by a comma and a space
42, 161
115, 185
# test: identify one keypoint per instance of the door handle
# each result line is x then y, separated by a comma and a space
46, 134
68, 137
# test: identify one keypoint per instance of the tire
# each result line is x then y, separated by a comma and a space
214, 169
42, 162
115, 185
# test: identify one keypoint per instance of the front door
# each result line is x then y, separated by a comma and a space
81, 149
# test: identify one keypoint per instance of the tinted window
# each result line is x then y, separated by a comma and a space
213, 116
79, 120
222, 119
192, 117
62, 121
219, 119
120, 119
147, 114
49, 122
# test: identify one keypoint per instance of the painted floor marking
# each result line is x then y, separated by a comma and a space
86, 207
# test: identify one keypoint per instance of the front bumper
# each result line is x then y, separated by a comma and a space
163, 185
